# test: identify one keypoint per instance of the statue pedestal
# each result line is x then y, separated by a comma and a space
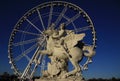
59, 79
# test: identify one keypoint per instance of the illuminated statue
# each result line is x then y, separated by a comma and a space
61, 47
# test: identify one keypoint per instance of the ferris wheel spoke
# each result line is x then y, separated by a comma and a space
67, 18
50, 15
28, 58
74, 26
35, 67
30, 33
40, 17
85, 28
71, 22
25, 42
61, 15
25, 52
72, 19
34, 26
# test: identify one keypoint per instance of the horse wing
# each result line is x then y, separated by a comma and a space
72, 39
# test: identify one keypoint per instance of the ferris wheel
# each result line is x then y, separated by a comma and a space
27, 36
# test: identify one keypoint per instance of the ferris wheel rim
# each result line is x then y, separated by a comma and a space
37, 7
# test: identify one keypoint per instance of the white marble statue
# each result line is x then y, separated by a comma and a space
61, 47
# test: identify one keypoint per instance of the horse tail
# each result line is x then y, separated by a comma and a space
89, 53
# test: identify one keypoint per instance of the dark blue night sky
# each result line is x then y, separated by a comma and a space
105, 15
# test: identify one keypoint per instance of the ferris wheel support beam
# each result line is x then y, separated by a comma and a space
31, 61
29, 65
36, 65
39, 59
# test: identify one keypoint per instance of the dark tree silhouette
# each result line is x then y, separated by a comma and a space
7, 77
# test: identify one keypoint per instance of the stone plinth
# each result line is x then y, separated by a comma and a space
59, 79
